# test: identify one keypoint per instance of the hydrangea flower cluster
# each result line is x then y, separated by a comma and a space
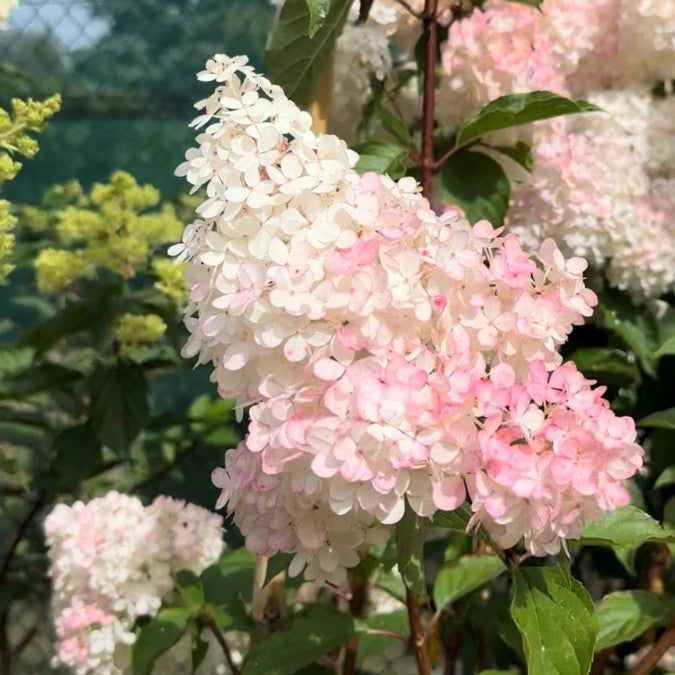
603, 185
113, 560
389, 354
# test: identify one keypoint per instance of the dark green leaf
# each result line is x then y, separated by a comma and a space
72, 319
520, 153
478, 185
191, 590
294, 60
453, 520
119, 406
666, 478
395, 126
664, 419
14, 360
556, 621
626, 527
310, 635
156, 637
77, 456
464, 575
279, 562
635, 329
516, 109
199, 649
610, 366
666, 348
625, 615
230, 576
410, 543
318, 11
40, 378
383, 158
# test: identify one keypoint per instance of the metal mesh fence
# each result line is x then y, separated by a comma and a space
126, 72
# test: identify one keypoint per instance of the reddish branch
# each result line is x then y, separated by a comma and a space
654, 655
357, 604
417, 633
210, 623
430, 27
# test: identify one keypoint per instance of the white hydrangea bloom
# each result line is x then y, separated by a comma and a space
361, 52
113, 560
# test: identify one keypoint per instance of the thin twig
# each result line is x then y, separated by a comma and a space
17, 537
417, 632
209, 622
387, 633
654, 655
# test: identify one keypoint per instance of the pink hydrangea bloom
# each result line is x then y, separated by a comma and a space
113, 560
388, 354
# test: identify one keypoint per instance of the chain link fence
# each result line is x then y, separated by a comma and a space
126, 72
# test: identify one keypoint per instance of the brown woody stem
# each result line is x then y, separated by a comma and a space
429, 96
654, 655
417, 633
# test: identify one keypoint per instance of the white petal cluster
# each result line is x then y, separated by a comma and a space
370, 337
113, 560
361, 53
603, 186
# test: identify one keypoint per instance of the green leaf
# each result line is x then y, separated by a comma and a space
626, 527
520, 153
530, 3
40, 378
295, 61
199, 649
231, 576
556, 621
410, 544
478, 185
119, 406
310, 635
663, 419
516, 109
279, 562
191, 590
383, 158
635, 329
391, 583
77, 455
453, 520
666, 478
318, 11
396, 622
464, 575
667, 348
156, 637
72, 319
610, 366
625, 615
14, 360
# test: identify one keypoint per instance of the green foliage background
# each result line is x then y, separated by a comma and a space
128, 96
